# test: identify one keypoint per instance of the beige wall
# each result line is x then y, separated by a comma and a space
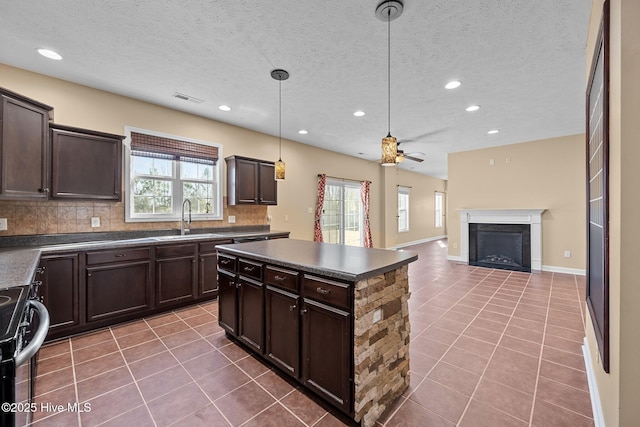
619, 390
546, 174
81, 106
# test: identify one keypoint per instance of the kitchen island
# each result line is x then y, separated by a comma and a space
334, 318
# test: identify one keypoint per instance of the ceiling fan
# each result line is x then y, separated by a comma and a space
401, 155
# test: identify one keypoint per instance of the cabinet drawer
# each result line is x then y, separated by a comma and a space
210, 247
327, 291
227, 262
285, 279
250, 268
175, 250
116, 255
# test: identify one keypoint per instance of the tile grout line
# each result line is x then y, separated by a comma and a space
493, 353
450, 345
458, 337
544, 334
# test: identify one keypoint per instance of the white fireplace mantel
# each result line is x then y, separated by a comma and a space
533, 217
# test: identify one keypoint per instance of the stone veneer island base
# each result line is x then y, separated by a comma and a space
334, 318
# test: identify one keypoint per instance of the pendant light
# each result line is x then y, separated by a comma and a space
280, 75
387, 11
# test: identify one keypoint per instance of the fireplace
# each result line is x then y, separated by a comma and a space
532, 218
504, 246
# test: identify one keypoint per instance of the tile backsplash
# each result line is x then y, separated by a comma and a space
54, 217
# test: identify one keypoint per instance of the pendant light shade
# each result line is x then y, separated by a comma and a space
279, 75
389, 150
387, 11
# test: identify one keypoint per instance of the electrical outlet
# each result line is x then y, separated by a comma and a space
269, 218
310, 210
491, 162
3, 224
455, 246
95, 221
286, 217
232, 219
567, 254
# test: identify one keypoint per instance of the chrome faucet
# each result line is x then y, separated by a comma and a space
183, 230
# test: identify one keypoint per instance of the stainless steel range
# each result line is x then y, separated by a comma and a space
24, 323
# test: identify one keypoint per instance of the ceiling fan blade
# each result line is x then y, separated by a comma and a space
415, 159
424, 135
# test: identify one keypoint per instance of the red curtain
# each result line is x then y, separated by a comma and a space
317, 227
364, 194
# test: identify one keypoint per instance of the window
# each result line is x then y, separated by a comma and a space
439, 209
342, 220
164, 170
403, 209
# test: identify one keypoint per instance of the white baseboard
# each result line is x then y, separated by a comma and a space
598, 417
565, 270
455, 258
417, 242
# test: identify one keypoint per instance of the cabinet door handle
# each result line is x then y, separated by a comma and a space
249, 269
41, 270
89, 274
232, 284
303, 311
120, 255
292, 307
323, 291
280, 278
225, 261
193, 261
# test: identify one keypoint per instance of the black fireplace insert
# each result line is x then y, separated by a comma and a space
504, 246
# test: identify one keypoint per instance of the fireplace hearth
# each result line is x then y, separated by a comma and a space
503, 246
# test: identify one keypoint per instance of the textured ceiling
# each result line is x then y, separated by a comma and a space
523, 61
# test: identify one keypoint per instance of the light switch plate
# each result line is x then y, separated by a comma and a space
377, 315
232, 219
3, 224
95, 221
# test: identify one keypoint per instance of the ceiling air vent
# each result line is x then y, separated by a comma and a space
184, 97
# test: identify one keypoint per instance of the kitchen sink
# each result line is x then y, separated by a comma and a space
186, 237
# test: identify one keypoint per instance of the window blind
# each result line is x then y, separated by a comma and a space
172, 149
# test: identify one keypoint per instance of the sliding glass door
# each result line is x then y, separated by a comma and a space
342, 220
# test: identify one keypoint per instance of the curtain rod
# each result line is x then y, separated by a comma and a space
343, 179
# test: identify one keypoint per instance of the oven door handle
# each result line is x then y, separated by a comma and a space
38, 338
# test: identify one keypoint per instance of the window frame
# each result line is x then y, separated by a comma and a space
439, 213
177, 182
404, 191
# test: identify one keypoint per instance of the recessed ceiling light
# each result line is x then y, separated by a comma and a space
302, 132
49, 54
224, 108
493, 131
452, 84
359, 113
473, 108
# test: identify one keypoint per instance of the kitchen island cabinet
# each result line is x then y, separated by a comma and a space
335, 318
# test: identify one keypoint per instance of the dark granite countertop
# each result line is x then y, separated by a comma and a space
350, 263
17, 267
18, 262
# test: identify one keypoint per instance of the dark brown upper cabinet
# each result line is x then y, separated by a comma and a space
85, 164
251, 182
24, 142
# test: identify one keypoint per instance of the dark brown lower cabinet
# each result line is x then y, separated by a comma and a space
251, 313
326, 352
282, 329
115, 290
176, 274
208, 268
227, 302
59, 291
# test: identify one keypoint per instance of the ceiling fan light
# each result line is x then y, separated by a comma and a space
389, 151
400, 156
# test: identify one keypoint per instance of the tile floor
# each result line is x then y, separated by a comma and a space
489, 348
